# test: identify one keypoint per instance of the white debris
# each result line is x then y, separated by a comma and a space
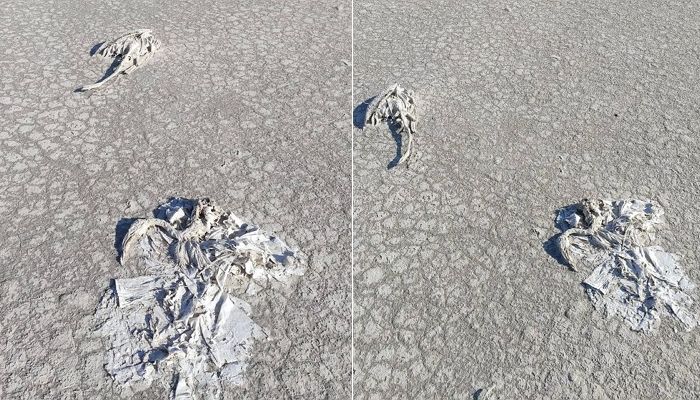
396, 106
631, 277
130, 52
182, 322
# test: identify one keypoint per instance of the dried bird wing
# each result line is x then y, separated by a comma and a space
130, 52
182, 319
138, 43
182, 390
602, 277
133, 290
232, 327
630, 278
140, 228
396, 106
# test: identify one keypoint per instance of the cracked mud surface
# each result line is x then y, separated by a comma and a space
247, 104
523, 108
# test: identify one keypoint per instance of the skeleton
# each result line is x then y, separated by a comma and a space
182, 319
396, 106
130, 52
630, 277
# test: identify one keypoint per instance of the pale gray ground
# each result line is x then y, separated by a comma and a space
525, 107
247, 103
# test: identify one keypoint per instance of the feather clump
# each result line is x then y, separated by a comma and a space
130, 52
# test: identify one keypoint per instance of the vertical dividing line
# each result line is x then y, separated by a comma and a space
352, 199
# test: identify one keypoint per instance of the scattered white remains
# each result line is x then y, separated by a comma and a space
630, 278
130, 52
182, 321
396, 106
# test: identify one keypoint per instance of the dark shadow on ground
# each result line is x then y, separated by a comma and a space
96, 48
359, 115
111, 70
120, 231
551, 246
398, 139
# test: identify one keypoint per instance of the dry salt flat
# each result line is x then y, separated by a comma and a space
244, 103
524, 108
